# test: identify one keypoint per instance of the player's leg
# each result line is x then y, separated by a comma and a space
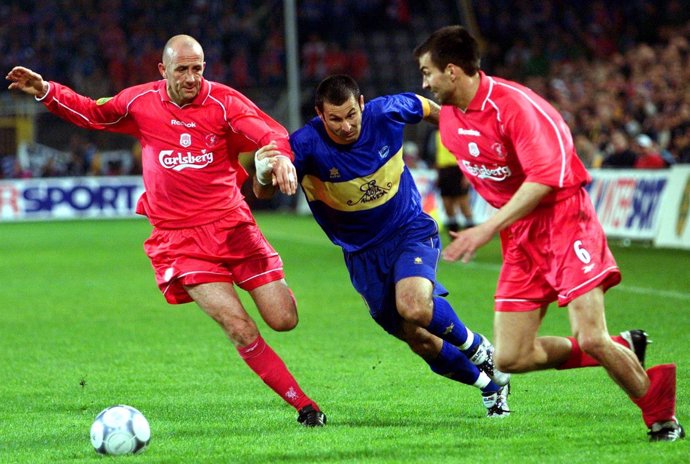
256, 267
220, 301
276, 304
464, 202
374, 275
444, 358
449, 188
417, 305
448, 361
419, 299
588, 326
278, 308
525, 290
518, 349
654, 391
449, 207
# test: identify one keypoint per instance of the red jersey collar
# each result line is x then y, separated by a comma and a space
479, 100
204, 91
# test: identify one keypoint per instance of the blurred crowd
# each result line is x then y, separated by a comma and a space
102, 46
617, 70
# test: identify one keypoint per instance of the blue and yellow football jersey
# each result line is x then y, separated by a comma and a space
361, 193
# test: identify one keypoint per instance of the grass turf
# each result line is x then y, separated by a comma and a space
84, 327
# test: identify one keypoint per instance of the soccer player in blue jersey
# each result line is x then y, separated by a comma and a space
349, 163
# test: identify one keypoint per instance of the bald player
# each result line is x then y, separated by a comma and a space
205, 240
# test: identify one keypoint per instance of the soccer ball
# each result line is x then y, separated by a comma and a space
119, 430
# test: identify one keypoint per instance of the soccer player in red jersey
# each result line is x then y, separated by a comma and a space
204, 240
518, 153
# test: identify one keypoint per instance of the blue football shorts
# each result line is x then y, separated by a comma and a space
413, 252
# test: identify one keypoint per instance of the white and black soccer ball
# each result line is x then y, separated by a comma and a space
119, 430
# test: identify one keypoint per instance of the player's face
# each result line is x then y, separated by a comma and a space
343, 122
436, 81
183, 74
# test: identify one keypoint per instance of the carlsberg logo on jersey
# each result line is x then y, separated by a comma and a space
177, 161
499, 173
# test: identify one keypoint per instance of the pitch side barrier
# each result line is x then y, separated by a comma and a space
631, 204
649, 205
69, 198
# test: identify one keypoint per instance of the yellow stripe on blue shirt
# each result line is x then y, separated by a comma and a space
358, 194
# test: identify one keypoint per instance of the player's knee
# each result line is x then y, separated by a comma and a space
240, 331
510, 362
594, 344
277, 306
283, 322
414, 310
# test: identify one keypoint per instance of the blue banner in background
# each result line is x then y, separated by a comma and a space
632, 204
69, 198
628, 202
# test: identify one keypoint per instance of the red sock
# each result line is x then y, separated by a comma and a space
272, 370
659, 403
579, 358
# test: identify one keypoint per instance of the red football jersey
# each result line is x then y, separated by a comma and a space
192, 175
509, 135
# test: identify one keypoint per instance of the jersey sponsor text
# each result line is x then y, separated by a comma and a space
175, 122
499, 173
178, 161
462, 131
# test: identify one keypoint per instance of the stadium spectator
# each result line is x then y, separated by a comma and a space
272, 59
554, 249
336, 59
359, 59
620, 154
313, 57
682, 145
589, 153
9, 167
81, 154
205, 239
648, 157
349, 161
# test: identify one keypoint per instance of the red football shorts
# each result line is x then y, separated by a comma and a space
556, 253
232, 249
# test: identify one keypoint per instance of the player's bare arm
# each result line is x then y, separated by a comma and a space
27, 81
273, 169
466, 242
434, 110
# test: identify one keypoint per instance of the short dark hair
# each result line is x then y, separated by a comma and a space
451, 44
336, 90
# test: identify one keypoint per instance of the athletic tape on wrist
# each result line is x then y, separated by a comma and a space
263, 167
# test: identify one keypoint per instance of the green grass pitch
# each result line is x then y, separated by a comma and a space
82, 327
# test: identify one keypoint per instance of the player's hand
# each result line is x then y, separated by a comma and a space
466, 243
285, 175
282, 171
27, 81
